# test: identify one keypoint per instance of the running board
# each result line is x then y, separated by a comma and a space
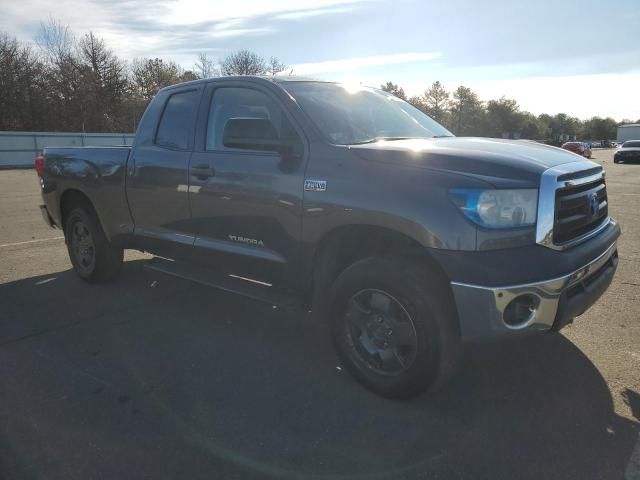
247, 287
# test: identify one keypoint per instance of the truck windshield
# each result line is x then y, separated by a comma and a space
348, 116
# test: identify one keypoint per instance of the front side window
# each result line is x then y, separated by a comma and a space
176, 123
361, 115
233, 102
631, 144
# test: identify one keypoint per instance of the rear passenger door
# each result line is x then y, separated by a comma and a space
158, 174
247, 204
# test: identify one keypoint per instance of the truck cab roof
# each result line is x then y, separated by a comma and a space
268, 78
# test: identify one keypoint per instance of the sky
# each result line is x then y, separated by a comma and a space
580, 57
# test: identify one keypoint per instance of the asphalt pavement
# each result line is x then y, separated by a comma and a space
155, 377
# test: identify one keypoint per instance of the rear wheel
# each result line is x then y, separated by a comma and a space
394, 326
93, 257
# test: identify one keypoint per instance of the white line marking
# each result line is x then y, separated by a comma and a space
30, 241
250, 280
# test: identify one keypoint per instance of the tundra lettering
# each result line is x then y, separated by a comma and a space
249, 241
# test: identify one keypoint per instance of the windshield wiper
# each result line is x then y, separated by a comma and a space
379, 139
390, 139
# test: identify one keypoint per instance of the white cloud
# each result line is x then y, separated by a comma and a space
236, 32
186, 12
300, 14
356, 63
165, 27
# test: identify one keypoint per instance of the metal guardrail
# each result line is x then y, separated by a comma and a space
18, 149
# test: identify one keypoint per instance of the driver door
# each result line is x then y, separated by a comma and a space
246, 204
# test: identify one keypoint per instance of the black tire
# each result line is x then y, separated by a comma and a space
93, 257
427, 301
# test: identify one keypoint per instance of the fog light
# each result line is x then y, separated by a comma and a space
520, 311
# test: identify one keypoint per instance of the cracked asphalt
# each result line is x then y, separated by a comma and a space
159, 378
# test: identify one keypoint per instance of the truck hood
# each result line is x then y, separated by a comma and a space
500, 162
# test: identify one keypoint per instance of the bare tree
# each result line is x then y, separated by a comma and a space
64, 76
243, 62
276, 66
104, 83
56, 41
205, 66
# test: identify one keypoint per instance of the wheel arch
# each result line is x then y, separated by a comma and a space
346, 244
72, 198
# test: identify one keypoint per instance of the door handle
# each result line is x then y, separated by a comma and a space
203, 171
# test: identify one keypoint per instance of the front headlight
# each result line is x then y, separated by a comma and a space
497, 208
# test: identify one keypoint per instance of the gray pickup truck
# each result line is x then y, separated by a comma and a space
349, 202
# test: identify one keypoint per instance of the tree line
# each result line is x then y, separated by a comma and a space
69, 83
65, 83
464, 114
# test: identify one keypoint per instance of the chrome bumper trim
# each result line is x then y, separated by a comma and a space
475, 300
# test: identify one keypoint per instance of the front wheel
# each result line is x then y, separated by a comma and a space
93, 257
394, 326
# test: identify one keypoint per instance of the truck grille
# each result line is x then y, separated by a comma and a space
579, 209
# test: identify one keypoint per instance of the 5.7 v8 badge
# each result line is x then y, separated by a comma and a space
315, 185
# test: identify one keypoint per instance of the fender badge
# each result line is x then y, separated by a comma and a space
315, 185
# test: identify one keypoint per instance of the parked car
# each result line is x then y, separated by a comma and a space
629, 152
580, 148
352, 203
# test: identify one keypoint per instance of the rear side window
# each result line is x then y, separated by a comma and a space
176, 124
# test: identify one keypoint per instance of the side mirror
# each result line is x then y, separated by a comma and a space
251, 134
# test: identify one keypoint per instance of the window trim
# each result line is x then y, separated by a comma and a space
195, 115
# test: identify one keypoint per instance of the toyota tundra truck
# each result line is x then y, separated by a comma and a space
349, 202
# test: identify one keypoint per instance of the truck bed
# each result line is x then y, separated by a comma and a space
99, 173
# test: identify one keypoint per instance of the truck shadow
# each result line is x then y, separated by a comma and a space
160, 378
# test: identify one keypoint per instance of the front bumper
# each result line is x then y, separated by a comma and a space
481, 309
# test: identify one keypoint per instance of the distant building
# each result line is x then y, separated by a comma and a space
564, 137
628, 132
